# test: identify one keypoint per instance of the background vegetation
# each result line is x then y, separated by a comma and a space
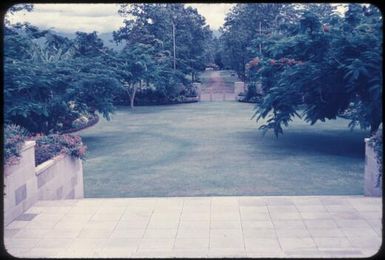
309, 60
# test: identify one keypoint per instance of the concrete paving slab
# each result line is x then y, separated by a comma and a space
87, 243
128, 233
234, 227
259, 233
160, 233
226, 233
292, 232
192, 243
253, 244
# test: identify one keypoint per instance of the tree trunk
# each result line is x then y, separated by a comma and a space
131, 93
132, 101
374, 125
132, 97
375, 119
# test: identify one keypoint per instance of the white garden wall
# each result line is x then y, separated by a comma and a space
372, 180
25, 184
198, 86
239, 87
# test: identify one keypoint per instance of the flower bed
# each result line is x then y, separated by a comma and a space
50, 146
82, 123
14, 138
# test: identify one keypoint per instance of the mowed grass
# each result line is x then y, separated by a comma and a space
213, 148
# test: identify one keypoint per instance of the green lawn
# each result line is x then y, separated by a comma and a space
213, 148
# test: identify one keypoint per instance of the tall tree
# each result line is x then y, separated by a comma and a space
48, 83
247, 26
329, 71
146, 22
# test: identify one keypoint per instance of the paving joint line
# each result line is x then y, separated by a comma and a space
145, 229
118, 221
211, 202
340, 228
306, 227
240, 218
275, 231
83, 227
177, 229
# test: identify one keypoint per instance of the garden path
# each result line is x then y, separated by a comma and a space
216, 89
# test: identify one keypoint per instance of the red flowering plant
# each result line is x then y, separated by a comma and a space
52, 145
265, 70
14, 138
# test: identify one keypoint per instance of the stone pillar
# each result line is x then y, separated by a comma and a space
20, 184
372, 178
239, 87
198, 87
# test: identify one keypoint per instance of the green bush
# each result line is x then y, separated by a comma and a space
14, 138
49, 146
80, 122
251, 90
376, 143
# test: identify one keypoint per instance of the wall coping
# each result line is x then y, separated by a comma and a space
28, 145
48, 164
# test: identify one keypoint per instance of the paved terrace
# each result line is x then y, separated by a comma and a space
284, 226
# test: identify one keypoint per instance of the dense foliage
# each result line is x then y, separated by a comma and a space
49, 146
341, 72
314, 63
14, 138
147, 23
306, 60
151, 33
246, 27
377, 144
50, 81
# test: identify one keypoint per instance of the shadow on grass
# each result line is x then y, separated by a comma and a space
328, 142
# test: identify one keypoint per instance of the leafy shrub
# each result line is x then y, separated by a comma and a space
14, 138
189, 91
47, 83
376, 143
49, 146
251, 91
80, 122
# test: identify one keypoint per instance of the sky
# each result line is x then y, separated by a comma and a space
99, 17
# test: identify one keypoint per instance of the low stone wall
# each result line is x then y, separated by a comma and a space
372, 178
20, 180
198, 87
239, 87
60, 178
191, 99
25, 184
